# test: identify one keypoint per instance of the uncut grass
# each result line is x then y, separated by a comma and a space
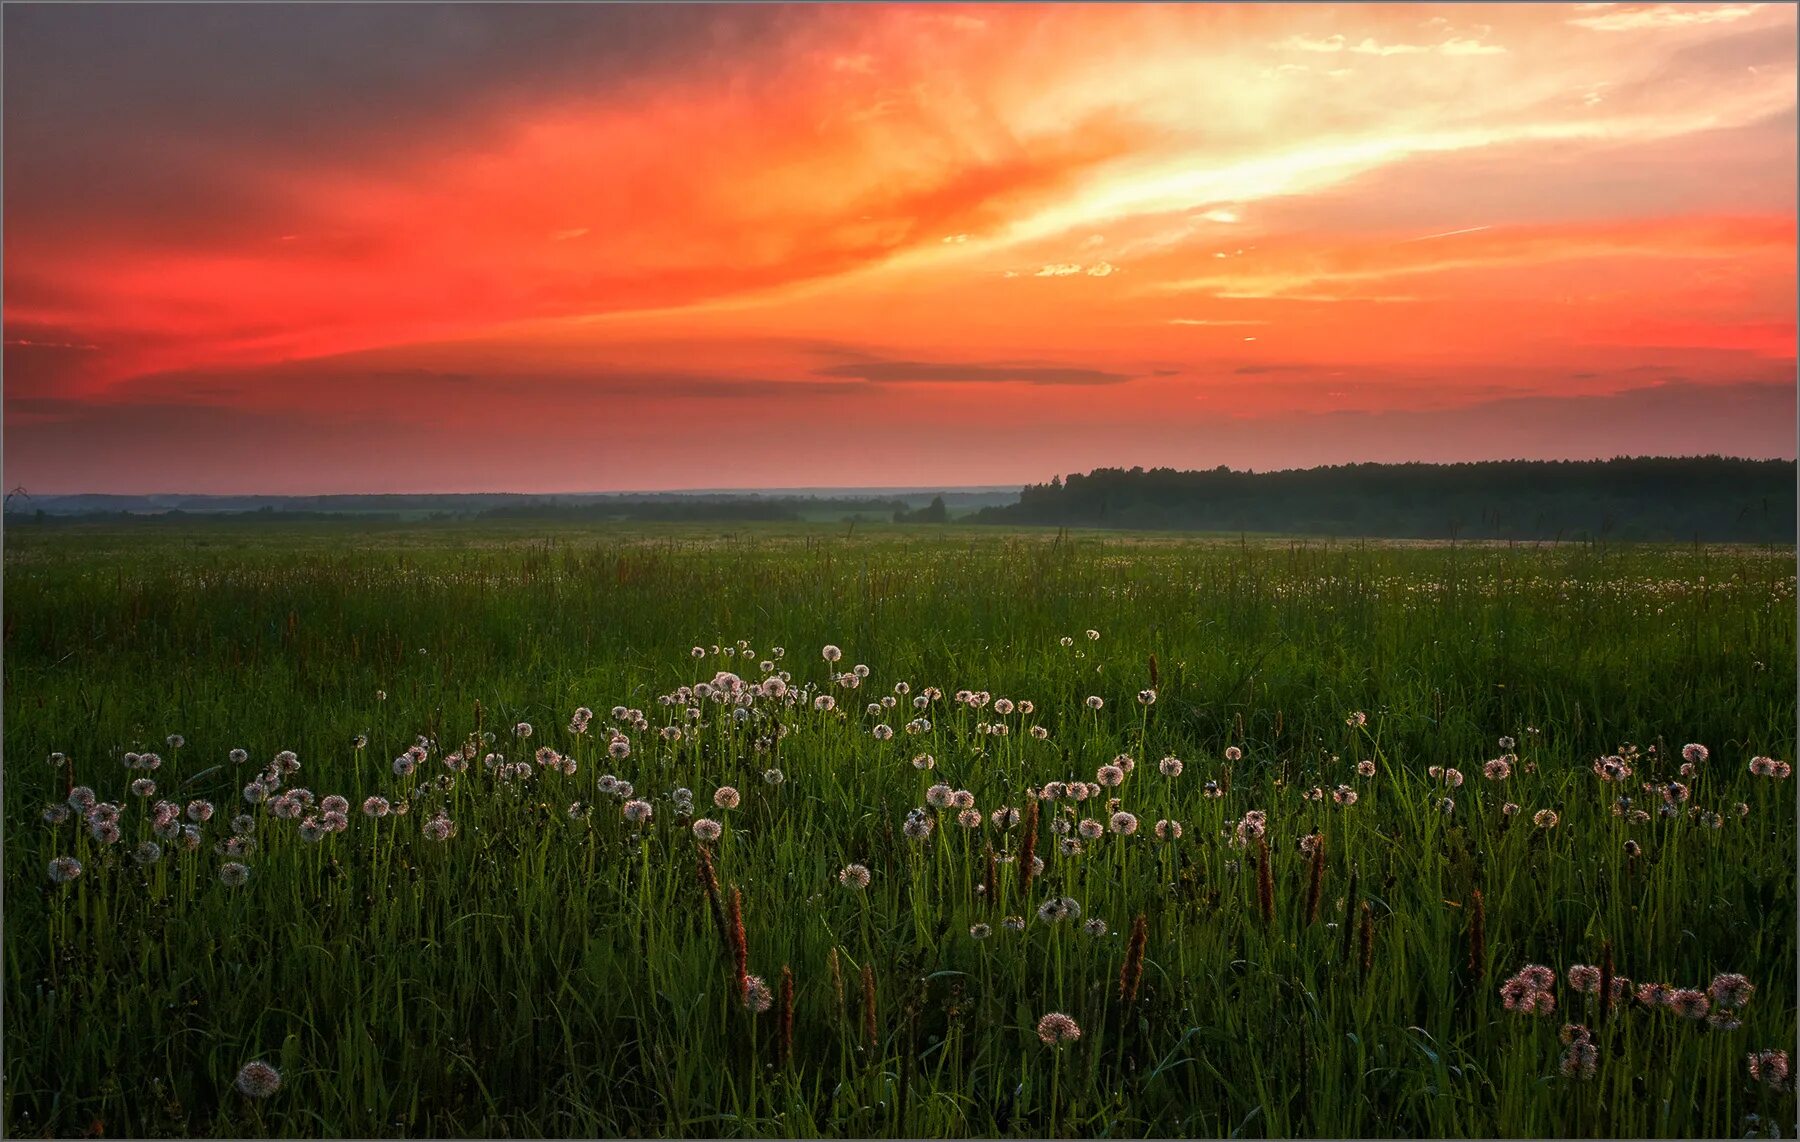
543, 975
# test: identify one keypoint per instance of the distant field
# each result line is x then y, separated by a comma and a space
552, 968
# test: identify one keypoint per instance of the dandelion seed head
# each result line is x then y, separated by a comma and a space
1055, 1029
854, 877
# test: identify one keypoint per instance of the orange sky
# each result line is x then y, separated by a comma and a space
274, 248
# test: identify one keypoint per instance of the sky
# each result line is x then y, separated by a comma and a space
344, 248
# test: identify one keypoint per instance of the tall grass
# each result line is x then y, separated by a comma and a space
549, 973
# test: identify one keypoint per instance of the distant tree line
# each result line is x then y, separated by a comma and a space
1708, 498
692, 510
933, 512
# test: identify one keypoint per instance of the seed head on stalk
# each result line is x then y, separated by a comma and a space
1131, 974
1315, 883
1477, 934
740, 943
1028, 851
868, 989
785, 1016
1265, 884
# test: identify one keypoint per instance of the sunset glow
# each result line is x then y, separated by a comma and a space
394, 248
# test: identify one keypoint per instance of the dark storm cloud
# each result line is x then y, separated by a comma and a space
153, 101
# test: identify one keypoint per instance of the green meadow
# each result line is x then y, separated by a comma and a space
1408, 773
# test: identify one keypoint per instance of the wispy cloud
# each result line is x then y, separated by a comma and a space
1369, 46
1637, 17
936, 372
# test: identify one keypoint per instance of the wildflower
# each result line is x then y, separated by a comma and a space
1770, 1067
962, 799
81, 799
1090, 828
1365, 769
918, 826
1168, 830
1509, 809
757, 996
1004, 818
980, 931
1059, 908
1581, 1060
1066, 640
404, 765
439, 828
239, 756
1584, 977
854, 877
1055, 1029
1633, 849
1146, 697
1507, 743
258, 1080
1094, 702
1123, 823
1729, 989
176, 741
201, 810
939, 796
619, 748
57, 814
149, 761
725, 797
831, 653
1357, 720
707, 829
1095, 927
1233, 753
1498, 769
1111, 776
1769, 767
824, 702
1688, 1002
969, 818
1693, 753
1545, 818
1013, 923
1537, 977
1069, 846
64, 869
232, 874
1654, 994
1344, 795
637, 812
1093, 636
147, 853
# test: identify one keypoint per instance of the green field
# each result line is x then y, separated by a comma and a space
555, 969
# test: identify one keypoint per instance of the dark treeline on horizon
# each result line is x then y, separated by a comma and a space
1708, 498
1712, 499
